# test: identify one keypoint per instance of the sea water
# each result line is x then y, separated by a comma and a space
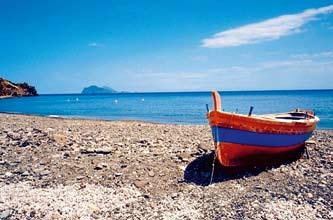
175, 107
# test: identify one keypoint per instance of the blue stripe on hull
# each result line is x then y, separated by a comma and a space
257, 139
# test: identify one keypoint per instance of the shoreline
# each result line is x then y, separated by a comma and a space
94, 119
122, 169
22, 96
5, 97
114, 120
208, 91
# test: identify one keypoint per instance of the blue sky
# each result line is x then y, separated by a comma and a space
63, 46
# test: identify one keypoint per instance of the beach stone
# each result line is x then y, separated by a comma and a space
87, 151
151, 173
143, 141
310, 142
184, 157
80, 177
118, 174
25, 173
103, 151
45, 173
94, 208
8, 174
174, 196
24, 143
14, 136
146, 196
99, 167
123, 166
5, 214
310, 195
60, 138
95, 151
140, 183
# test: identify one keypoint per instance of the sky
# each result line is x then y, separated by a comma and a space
160, 46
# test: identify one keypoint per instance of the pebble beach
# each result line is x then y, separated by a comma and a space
54, 168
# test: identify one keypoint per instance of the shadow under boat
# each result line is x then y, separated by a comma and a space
199, 171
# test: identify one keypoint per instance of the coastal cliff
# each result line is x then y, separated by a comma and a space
10, 89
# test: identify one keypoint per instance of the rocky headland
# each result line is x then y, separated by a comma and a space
10, 89
89, 169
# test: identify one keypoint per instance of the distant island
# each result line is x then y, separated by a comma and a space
98, 90
10, 89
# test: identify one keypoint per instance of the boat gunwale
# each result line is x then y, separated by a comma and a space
266, 118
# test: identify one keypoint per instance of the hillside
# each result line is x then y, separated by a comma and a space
98, 90
10, 89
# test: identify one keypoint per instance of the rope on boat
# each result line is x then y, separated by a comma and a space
215, 156
213, 165
215, 146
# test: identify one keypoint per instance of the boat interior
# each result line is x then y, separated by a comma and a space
296, 115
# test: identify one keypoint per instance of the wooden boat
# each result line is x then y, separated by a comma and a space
243, 140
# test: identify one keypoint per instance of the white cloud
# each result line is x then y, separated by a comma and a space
270, 29
95, 44
275, 66
325, 54
284, 73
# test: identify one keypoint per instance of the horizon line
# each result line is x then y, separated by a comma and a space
202, 91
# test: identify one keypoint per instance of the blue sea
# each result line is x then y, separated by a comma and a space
177, 107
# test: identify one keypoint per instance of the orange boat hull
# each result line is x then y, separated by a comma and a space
243, 140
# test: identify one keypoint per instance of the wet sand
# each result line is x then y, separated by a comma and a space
53, 168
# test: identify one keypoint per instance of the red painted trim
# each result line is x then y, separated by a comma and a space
230, 154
